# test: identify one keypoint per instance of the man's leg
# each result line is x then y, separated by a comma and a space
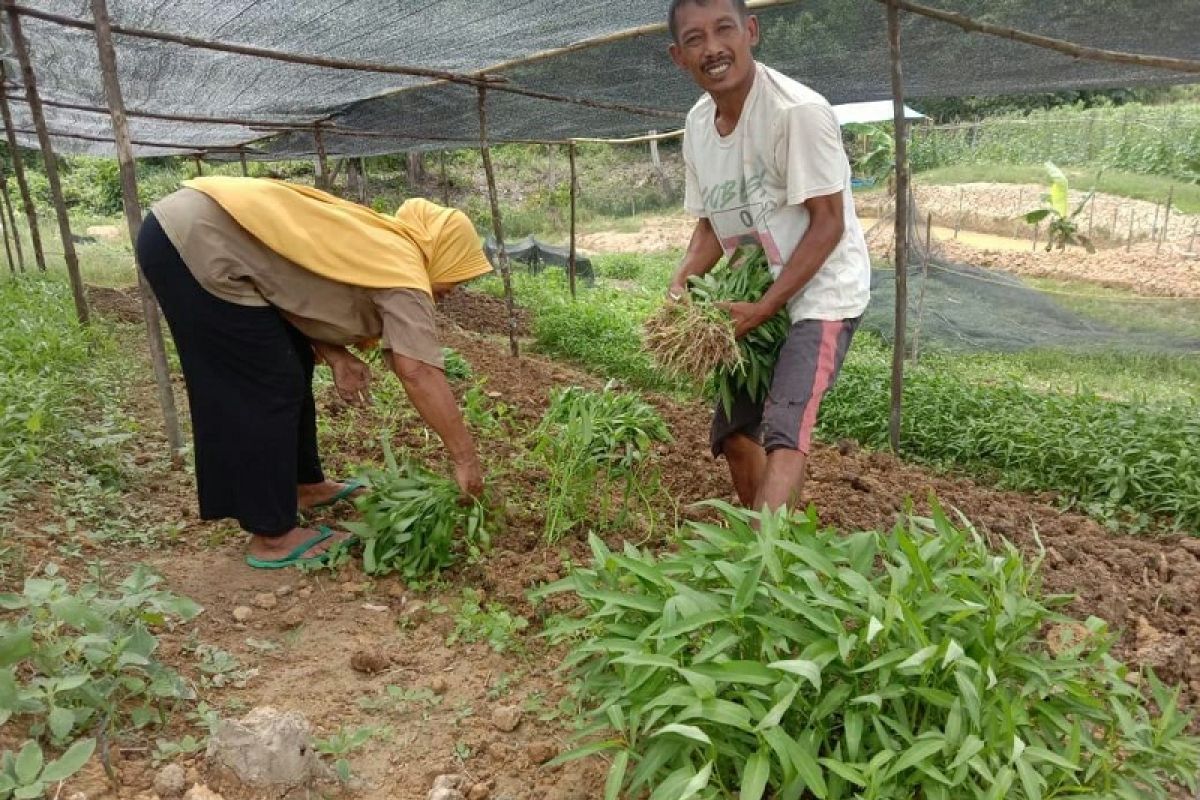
807, 368
747, 462
735, 436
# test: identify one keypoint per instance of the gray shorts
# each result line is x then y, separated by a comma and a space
808, 365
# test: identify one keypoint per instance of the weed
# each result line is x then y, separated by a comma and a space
340, 744
495, 624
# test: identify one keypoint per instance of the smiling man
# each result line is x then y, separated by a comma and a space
765, 165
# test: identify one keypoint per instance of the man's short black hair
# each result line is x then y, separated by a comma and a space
738, 5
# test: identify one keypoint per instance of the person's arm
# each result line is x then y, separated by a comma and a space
430, 394
351, 376
703, 253
825, 227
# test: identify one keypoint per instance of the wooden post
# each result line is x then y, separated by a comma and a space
958, 221
1154, 224
901, 227
1037, 228
916, 346
445, 179
574, 190
35, 236
198, 164
245, 166
1112, 229
12, 265
133, 220
1166, 219
10, 220
366, 181
322, 160
497, 224
1129, 239
39, 122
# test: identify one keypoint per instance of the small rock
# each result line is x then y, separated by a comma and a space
480, 791
305, 591
266, 600
847, 446
290, 619
439, 685
862, 484
447, 787
369, 662
506, 718
375, 608
171, 781
243, 613
541, 752
1054, 558
77, 796
202, 792
284, 591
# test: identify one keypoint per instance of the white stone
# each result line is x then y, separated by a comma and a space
266, 747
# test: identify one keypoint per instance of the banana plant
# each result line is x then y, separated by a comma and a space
1063, 230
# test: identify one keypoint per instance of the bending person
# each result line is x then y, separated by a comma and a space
258, 280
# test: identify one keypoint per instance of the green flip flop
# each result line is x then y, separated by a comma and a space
296, 557
347, 491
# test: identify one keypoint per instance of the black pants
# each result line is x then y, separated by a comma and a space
249, 382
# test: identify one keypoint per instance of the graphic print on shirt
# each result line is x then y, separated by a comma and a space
738, 211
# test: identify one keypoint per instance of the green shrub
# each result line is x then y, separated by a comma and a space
84, 660
1128, 462
457, 367
788, 662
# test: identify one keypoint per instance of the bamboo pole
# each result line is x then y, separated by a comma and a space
1112, 229
1037, 229
901, 227
916, 342
958, 220
1166, 219
322, 159
245, 166
133, 220
571, 263
1129, 239
10, 221
12, 265
39, 121
199, 165
497, 224
1074, 50
445, 180
35, 236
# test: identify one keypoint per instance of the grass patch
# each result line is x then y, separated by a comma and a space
1153, 188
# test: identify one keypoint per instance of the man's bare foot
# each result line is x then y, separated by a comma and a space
273, 548
313, 494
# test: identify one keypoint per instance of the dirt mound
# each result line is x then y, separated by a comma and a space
654, 235
118, 305
1144, 269
480, 312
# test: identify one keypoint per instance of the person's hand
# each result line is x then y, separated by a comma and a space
677, 293
352, 380
468, 474
746, 316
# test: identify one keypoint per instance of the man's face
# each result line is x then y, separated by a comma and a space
715, 46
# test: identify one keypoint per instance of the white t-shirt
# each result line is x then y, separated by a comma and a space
752, 184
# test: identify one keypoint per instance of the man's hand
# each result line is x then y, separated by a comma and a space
677, 292
351, 379
469, 476
746, 316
